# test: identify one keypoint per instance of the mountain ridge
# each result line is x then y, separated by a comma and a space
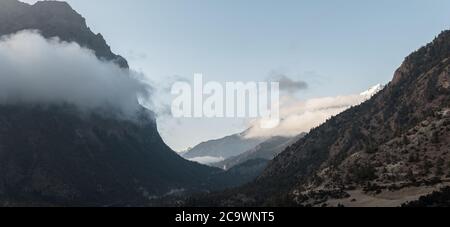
266, 150
398, 140
390, 113
57, 155
55, 19
225, 147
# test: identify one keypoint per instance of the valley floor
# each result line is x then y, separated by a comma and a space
387, 198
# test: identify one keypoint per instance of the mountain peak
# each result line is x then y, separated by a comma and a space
56, 7
54, 19
424, 59
65, 157
54, 4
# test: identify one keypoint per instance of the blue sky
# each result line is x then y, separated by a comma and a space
337, 47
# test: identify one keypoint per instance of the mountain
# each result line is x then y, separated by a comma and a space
391, 149
54, 155
220, 149
54, 19
269, 148
266, 150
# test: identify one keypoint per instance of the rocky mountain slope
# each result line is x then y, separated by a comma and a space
389, 150
54, 155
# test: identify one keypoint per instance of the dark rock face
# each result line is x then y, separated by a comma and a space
56, 156
400, 138
54, 19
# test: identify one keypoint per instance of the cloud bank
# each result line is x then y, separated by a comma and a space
35, 70
301, 116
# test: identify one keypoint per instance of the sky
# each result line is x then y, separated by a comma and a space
336, 47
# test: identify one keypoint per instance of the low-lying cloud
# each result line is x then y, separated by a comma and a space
35, 70
301, 116
206, 160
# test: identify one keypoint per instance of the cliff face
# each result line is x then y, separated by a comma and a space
54, 19
55, 155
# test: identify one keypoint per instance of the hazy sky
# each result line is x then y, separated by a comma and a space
337, 47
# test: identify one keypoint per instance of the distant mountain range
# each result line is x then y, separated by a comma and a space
387, 151
221, 149
266, 150
236, 149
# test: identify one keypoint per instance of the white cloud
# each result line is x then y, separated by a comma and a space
207, 159
301, 116
35, 70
